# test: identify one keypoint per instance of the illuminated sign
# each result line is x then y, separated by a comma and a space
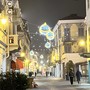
11, 40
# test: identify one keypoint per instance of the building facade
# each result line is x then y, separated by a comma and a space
69, 32
11, 42
87, 21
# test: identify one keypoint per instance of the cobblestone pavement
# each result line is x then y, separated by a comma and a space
52, 83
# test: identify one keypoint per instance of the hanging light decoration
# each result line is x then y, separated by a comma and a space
41, 56
48, 45
41, 62
31, 52
50, 35
44, 29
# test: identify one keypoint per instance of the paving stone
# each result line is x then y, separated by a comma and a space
51, 83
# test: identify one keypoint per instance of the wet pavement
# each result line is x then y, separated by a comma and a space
51, 83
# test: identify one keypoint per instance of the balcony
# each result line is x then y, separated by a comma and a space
70, 39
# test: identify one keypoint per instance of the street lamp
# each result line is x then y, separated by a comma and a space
3, 21
86, 54
41, 62
82, 43
82, 46
22, 54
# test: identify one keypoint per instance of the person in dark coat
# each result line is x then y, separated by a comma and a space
78, 76
35, 74
71, 76
46, 74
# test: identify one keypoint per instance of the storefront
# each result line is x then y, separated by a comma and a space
83, 68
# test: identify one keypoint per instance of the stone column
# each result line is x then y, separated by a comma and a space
89, 71
4, 64
0, 63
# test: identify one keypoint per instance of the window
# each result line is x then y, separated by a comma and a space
11, 40
67, 48
81, 32
66, 34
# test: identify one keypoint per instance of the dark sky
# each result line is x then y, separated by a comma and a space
39, 11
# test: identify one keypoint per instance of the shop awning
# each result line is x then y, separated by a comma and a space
13, 65
19, 64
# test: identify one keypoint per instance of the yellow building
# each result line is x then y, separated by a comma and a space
21, 34
3, 38
10, 40
69, 31
24, 42
87, 21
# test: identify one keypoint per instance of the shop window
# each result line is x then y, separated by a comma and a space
66, 34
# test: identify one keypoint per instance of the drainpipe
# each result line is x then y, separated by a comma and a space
7, 43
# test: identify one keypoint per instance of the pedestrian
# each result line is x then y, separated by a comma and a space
50, 73
35, 74
30, 74
46, 74
71, 76
78, 76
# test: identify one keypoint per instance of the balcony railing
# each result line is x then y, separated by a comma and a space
71, 39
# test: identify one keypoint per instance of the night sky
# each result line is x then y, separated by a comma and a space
36, 12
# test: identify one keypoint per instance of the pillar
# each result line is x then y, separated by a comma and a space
89, 71
0, 63
61, 70
4, 64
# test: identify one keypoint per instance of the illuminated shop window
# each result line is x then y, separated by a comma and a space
11, 40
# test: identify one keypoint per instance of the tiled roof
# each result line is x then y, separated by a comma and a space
71, 17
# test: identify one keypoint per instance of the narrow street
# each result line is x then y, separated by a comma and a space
43, 43
51, 83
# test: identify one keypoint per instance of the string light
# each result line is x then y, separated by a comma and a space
36, 39
34, 46
39, 46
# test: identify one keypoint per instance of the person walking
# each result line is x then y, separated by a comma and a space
46, 74
78, 76
35, 74
71, 76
